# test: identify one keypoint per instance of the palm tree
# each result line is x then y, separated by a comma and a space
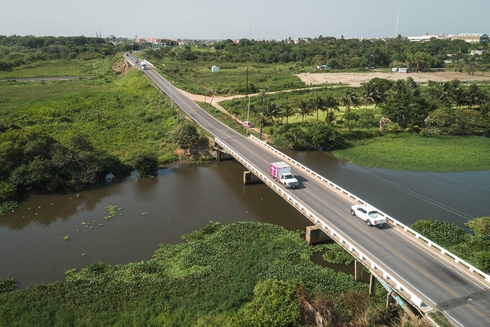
317, 104
288, 111
374, 91
330, 103
369, 93
475, 95
456, 92
349, 99
272, 112
304, 109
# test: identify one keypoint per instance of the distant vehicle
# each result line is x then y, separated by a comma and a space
368, 214
247, 124
281, 172
143, 65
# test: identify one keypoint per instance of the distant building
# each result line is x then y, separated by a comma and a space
470, 37
154, 40
215, 69
426, 37
477, 52
140, 40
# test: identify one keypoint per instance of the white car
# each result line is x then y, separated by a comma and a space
247, 124
369, 214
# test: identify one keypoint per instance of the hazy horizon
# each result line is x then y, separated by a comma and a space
265, 19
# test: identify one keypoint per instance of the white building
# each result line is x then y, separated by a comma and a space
215, 69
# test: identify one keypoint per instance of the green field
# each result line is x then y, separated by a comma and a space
118, 115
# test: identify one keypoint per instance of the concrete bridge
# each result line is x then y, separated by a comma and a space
413, 267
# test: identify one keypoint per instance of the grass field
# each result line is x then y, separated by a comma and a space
55, 68
118, 115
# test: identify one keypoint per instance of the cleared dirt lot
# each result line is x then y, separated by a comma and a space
355, 79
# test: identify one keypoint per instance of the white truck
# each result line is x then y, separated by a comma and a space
143, 65
368, 214
281, 172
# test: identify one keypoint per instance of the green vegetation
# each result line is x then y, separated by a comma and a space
404, 151
112, 212
243, 274
67, 135
440, 319
473, 247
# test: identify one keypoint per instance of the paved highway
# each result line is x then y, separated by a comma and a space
437, 281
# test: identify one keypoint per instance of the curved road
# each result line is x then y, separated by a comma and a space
439, 282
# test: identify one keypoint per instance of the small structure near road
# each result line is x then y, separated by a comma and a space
215, 69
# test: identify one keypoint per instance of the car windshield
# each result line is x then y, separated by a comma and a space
373, 214
288, 176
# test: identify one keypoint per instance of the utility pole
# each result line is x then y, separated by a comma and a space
248, 110
262, 115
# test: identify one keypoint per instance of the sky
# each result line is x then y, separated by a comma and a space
256, 19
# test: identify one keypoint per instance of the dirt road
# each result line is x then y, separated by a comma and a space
355, 79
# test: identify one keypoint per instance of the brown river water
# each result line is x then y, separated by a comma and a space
185, 198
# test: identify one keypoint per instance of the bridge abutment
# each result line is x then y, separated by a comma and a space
221, 155
314, 235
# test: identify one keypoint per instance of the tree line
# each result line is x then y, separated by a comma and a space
23, 50
339, 53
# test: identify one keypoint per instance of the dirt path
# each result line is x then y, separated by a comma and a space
355, 79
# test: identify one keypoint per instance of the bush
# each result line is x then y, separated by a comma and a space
443, 233
7, 284
145, 164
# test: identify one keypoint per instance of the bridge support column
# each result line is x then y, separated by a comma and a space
249, 178
357, 271
390, 300
218, 155
372, 285
315, 235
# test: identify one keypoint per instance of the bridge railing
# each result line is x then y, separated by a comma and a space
328, 229
393, 221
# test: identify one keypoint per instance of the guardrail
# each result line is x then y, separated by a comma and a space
395, 222
328, 229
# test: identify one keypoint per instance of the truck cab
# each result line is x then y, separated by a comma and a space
288, 180
369, 214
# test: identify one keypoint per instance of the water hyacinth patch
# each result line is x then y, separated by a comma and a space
112, 211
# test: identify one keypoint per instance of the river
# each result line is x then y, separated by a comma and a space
186, 197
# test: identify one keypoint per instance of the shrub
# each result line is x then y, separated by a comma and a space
145, 164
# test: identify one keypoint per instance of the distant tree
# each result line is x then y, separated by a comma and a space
304, 109
349, 99
317, 104
272, 112
288, 111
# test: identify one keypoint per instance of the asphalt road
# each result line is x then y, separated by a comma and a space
439, 282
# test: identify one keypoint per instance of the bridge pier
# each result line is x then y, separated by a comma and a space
249, 178
372, 285
357, 270
390, 300
314, 235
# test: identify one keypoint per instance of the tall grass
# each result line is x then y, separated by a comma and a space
60, 67
119, 115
